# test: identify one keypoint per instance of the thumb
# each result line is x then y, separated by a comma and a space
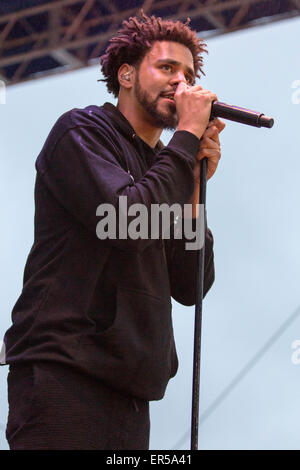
181, 87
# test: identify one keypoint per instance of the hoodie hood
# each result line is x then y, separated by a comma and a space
125, 127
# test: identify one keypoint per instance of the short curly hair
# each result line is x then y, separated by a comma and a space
136, 38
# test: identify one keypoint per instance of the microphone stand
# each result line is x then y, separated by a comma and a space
244, 116
198, 314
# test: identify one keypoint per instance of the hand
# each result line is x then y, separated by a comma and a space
209, 148
193, 107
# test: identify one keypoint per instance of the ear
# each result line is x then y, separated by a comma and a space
126, 75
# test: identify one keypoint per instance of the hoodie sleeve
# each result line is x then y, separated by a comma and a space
82, 171
182, 267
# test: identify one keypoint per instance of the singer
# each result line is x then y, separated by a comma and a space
91, 340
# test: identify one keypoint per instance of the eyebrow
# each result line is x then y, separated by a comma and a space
175, 62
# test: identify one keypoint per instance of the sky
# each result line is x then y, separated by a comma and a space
250, 342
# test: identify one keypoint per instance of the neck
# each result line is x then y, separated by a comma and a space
135, 114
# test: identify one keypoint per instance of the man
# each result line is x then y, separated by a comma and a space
91, 341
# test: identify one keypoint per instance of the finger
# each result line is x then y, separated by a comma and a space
182, 86
213, 155
212, 165
211, 131
220, 125
210, 138
196, 88
211, 169
199, 89
209, 143
212, 96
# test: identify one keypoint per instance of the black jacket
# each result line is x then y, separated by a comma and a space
104, 306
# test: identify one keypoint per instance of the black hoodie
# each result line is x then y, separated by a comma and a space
104, 306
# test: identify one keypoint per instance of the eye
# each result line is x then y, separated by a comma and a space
166, 66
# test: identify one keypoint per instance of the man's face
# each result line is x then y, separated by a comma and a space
164, 66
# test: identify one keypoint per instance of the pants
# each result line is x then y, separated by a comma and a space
53, 407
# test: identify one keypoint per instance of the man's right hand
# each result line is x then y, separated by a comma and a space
193, 106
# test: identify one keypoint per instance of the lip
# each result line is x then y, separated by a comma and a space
168, 98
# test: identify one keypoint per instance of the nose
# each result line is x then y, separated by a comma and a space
178, 77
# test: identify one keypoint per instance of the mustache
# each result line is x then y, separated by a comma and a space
169, 92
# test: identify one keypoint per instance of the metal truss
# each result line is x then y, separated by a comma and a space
62, 35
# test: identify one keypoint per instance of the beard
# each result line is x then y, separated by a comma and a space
164, 120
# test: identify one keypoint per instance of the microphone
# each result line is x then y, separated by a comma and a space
242, 115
